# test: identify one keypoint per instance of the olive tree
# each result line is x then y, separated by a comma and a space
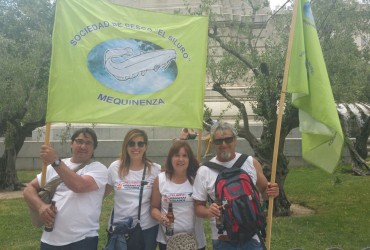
237, 57
25, 47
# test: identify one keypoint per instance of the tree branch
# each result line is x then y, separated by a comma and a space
230, 50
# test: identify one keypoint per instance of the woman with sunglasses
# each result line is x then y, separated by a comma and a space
125, 176
175, 185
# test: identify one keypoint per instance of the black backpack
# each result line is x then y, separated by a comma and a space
242, 214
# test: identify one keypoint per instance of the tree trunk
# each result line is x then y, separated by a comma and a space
357, 149
264, 155
359, 165
362, 138
15, 134
8, 174
281, 203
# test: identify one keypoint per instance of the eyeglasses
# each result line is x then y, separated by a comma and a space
81, 142
228, 140
132, 144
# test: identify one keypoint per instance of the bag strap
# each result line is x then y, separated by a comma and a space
214, 165
239, 163
242, 158
54, 183
143, 183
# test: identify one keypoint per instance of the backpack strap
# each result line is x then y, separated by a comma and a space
219, 168
240, 161
213, 165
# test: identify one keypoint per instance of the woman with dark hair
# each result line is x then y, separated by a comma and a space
175, 185
125, 176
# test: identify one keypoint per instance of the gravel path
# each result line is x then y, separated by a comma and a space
11, 195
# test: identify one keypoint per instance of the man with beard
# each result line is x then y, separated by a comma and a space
78, 198
223, 137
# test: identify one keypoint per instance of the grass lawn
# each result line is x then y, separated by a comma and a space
340, 201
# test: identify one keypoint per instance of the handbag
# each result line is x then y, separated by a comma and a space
182, 241
117, 234
135, 238
123, 230
46, 194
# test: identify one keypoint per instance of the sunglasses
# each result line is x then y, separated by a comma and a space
81, 142
132, 144
228, 140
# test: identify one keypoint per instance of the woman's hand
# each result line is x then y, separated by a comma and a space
164, 220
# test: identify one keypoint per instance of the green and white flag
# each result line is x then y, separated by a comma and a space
322, 136
119, 65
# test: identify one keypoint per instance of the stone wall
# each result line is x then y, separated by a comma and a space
108, 151
110, 139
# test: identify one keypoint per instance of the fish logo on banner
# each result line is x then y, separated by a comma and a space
133, 66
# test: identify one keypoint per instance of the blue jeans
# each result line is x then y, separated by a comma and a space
89, 243
227, 245
150, 238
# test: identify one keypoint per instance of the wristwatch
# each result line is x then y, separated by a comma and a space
56, 163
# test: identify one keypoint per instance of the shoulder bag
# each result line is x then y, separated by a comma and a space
46, 195
118, 232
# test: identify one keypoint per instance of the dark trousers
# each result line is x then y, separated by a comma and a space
164, 247
150, 238
89, 243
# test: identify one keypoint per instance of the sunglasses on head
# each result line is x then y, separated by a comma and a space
228, 140
132, 144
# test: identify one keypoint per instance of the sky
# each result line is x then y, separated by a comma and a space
274, 3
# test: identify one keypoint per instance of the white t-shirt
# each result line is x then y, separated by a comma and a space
78, 213
126, 194
183, 208
205, 179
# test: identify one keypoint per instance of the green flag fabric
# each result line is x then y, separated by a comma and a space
118, 65
308, 81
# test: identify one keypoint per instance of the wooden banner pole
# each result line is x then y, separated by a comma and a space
44, 164
278, 124
199, 144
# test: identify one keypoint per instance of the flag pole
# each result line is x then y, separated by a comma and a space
199, 144
44, 164
278, 123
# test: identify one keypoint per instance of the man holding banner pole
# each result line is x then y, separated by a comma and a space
78, 197
223, 136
